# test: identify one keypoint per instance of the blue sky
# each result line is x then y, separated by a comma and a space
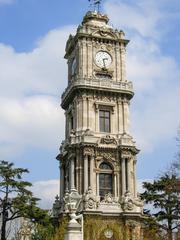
33, 75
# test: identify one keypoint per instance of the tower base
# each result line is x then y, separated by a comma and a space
125, 227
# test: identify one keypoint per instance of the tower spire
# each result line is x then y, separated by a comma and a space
96, 4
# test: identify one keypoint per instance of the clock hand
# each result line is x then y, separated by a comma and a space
104, 59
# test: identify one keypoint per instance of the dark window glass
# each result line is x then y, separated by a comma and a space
72, 122
105, 166
105, 184
104, 120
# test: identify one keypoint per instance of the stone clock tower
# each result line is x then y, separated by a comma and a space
98, 157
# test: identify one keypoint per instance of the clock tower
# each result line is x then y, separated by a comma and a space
98, 157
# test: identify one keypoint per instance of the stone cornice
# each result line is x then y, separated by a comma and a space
96, 84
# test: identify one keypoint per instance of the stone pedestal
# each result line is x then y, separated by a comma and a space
73, 231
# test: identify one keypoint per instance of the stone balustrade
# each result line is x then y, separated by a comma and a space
100, 84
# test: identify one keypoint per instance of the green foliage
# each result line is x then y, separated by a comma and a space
16, 200
60, 231
43, 231
163, 194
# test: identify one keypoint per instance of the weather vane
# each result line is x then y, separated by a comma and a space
96, 4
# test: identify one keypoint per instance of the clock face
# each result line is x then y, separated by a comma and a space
73, 66
103, 59
108, 233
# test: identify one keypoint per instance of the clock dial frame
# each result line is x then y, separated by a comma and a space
103, 59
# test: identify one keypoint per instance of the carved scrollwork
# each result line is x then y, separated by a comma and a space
129, 203
108, 140
126, 154
108, 198
89, 199
109, 156
88, 151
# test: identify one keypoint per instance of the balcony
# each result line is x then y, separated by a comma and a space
100, 84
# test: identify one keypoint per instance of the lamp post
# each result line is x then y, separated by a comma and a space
74, 229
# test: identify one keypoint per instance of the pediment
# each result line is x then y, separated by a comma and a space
104, 33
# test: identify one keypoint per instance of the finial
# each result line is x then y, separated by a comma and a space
96, 4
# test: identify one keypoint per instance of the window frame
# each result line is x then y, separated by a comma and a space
102, 120
105, 172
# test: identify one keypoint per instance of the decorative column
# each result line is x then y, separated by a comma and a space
81, 159
120, 117
92, 175
77, 115
84, 60
128, 175
91, 114
126, 116
89, 59
61, 181
97, 118
123, 62
85, 172
117, 62
115, 185
134, 172
72, 187
97, 183
123, 175
85, 113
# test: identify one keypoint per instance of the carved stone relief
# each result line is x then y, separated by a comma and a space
109, 199
126, 154
108, 140
90, 201
88, 151
129, 203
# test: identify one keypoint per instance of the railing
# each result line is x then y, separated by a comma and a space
99, 83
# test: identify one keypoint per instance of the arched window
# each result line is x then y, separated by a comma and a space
105, 180
105, 165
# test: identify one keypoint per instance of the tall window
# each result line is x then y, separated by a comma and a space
105, 180
104, 120
71, 122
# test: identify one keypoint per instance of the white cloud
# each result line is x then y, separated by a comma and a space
140, 184
155, 113
30, 82
33, 121
142, 16
30, 88
42, 71
46, 190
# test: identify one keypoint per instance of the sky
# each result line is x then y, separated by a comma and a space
33, 75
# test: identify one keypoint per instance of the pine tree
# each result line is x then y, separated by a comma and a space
16, 200
164, 194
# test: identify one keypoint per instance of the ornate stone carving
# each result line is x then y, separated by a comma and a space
109, 156
108, 198
71, 201
88, 132
56, 207
129, 203
108, 140
89, 200
126, 154
88, 151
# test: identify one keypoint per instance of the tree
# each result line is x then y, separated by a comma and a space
16, 200
163, 194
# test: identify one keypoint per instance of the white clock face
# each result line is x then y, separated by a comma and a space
103, 59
